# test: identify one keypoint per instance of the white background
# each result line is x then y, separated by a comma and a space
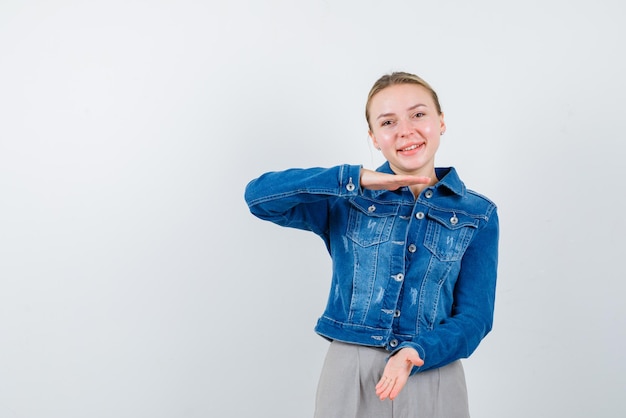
135, 283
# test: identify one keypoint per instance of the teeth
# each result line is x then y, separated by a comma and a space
412, 147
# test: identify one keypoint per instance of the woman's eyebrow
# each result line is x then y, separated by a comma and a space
416, 106
384, 115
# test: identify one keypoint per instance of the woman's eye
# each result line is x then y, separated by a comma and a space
386, 123
419, 115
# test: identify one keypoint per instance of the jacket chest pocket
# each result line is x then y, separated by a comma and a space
370, 223
448, 234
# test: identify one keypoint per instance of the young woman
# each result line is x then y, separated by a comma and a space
414, 262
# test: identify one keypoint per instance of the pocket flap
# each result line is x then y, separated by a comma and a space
451, 219
372, 208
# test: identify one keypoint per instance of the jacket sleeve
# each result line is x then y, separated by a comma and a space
301, 198
474, 299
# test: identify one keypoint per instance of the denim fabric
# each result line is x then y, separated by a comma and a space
406, 272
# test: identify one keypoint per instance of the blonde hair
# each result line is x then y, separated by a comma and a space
393, 79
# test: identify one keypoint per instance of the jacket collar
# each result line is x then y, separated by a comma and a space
448, 178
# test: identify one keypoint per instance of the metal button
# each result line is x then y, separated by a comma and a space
371, 208
399, 277
350, 186
412, 248
419, 215
428, 194
396, 314
393, 343
454, 220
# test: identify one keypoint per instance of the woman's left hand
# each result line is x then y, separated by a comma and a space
397, 372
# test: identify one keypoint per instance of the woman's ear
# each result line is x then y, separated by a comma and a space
374, 141
442, 124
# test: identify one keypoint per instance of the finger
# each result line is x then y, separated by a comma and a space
382, 383
415, 359
408, 180
396, 389
405, 182
421, 180
384, 387
383, 393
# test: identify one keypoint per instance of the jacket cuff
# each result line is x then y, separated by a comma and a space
350, 176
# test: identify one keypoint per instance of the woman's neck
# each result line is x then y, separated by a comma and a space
418, 188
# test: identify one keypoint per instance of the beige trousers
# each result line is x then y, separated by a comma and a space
347, 383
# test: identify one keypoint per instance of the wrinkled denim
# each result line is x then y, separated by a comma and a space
406, 272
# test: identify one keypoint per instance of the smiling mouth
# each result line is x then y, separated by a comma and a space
411, 148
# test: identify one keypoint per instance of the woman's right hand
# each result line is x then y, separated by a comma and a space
375, 180
396, 373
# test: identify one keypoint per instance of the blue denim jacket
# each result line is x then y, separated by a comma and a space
407, 272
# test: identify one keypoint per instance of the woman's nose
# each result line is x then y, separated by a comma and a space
404, 127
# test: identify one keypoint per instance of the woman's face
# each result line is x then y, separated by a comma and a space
406, 127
